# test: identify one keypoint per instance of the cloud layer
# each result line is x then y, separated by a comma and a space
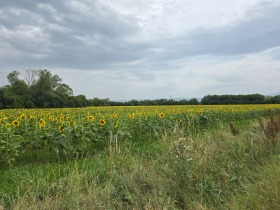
145, 49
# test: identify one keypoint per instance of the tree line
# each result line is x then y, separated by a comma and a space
42, 89
240, 99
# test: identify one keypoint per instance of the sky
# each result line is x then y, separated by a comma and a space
148, 49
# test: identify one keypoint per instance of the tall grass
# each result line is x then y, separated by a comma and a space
182, 169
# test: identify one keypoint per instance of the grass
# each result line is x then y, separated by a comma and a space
263, 192
181, 169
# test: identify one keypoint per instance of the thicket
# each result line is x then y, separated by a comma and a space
240, 99
42, 89
39, 89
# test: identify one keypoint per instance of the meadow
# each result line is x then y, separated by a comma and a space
153, 157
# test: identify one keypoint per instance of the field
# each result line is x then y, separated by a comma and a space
156, 157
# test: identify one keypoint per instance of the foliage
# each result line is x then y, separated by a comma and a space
9, 148
271, 130
240, 99
72, 132
183, 168
39, 89
42, 89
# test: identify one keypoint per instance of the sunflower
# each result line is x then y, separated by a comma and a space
42, 123
161, 115
90, 118
15, 123
132, 115
61, 128
22, 116
102, 122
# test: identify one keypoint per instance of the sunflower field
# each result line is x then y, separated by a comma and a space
73, 131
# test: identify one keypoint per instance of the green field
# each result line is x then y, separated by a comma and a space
173, 157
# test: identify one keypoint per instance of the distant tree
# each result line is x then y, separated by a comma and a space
39, 89
13, 77
32, 77
80, 101
193, 101
272, 99
133, 102
48, 90
234, 99
17, 93
64, 90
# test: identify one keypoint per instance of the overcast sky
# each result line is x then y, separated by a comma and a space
148, 49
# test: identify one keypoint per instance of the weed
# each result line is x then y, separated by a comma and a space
233, 128
270, 130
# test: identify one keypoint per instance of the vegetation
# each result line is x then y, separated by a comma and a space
195, 166
240, 99
41, 89
71, 132
136, 157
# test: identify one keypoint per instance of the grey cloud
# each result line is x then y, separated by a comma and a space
87, 34
67, 37
254, 35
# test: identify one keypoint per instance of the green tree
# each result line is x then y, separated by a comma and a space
49, 91
193, 101
13, 77
80, 101
17, 94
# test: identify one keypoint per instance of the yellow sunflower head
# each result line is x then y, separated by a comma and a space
42, 123
90, 118
61, 128
15, 123
161, 115
22, 116
132, 116
102, 122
